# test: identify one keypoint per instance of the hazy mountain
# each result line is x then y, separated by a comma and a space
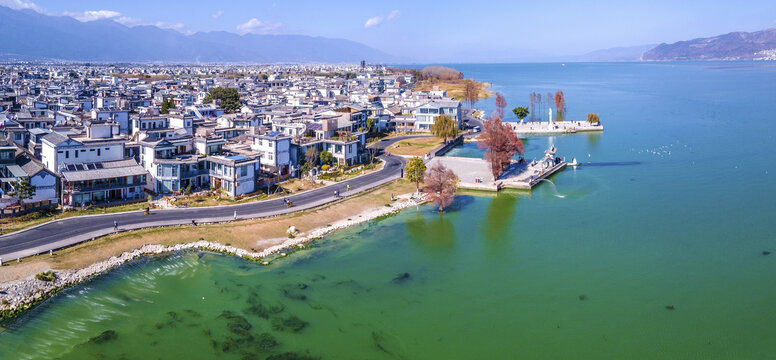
732, 46
629, 53
29, 34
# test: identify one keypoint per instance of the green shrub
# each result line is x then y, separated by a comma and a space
46, 276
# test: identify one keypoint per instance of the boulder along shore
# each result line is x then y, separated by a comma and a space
16, 297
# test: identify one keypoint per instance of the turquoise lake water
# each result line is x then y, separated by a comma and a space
655, 249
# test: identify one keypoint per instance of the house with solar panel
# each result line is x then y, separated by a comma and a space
92, 166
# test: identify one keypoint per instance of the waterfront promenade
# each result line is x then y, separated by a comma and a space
62, 233
556, 127
474, 174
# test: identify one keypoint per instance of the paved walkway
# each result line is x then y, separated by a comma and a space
558, 127
475, 173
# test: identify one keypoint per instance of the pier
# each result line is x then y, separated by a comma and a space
554, 127
474, 174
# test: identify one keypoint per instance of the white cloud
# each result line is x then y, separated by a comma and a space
256, 26
217, 14
21, 4
128, 21
379, 19
179, 27
92, 15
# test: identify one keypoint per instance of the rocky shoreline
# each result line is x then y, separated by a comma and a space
16, 297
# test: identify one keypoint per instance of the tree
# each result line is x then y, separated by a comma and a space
401, 82
520, 112
500, 142
439, 185
229, 97
326, 157
311, 156
593, 118
471, 93
415, 169
501, 103
560, 105
444, 127
370, 123
23, 189
165, 106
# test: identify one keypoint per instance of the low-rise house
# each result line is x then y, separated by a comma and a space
106, 181
235, 175
274, 149
97, 146
426, 114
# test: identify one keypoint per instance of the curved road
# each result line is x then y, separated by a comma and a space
57, 234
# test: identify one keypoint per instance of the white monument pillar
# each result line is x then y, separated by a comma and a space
549, 124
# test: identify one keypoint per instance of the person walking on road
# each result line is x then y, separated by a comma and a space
115, 225
348, 187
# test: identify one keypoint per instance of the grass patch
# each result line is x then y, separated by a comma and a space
415, 147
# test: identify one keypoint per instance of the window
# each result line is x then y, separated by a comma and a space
243, 171
67, 154
75, 152
98, 152
174, 171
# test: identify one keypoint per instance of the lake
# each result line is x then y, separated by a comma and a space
653, 248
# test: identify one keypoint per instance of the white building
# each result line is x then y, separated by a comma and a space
274, 148
426, 114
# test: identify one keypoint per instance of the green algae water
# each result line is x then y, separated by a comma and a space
654, 248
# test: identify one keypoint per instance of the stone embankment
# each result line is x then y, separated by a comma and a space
21, 295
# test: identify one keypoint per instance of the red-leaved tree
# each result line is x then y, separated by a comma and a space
439, 185
500, 143
560, 104
501, 103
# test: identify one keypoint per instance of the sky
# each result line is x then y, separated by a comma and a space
438, 30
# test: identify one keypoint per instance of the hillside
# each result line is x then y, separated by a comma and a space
732, 46
29, 34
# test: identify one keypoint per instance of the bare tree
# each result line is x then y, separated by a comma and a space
501, 103
500, 143
439, 185
471, 93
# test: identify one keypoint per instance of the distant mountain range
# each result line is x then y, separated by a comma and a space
732, 46
27, 34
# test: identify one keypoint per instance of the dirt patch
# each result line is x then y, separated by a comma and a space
454, 88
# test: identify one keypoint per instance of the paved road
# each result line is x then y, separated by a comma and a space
66, 232
468, 115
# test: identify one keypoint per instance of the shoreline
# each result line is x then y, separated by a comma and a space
19, 296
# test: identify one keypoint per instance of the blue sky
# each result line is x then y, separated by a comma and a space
440, 29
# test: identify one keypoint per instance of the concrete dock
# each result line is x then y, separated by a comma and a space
556, 127
475, 173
